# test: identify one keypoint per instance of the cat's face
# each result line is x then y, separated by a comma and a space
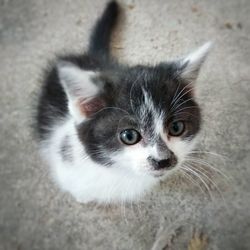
141, 119
148, 126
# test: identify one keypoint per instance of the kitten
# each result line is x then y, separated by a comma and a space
111, 132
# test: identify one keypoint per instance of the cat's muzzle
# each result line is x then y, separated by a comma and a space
159, 166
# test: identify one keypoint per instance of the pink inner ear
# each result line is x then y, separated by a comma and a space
91, 106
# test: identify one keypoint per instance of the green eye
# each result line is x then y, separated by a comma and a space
176, 128
130, 136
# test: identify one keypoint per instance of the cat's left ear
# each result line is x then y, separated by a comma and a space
189, 66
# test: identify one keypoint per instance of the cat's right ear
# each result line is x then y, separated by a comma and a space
189, 66
82, 88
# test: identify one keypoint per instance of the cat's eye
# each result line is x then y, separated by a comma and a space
176, 128
130, 136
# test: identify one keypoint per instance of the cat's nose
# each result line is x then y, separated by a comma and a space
161, 164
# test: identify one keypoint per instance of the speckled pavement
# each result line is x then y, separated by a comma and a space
35, 215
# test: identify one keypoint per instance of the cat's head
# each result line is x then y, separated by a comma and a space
139, 119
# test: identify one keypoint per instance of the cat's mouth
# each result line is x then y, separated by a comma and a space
161, 172
157, 174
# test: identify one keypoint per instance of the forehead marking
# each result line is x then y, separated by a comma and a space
147, 110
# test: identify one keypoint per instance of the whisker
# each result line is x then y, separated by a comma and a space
182, 113
116, 108
204, 163
189, 107
178, 96
189, 177
200, 178
176, 107
207, 177
212, 182
223, 157
175, 94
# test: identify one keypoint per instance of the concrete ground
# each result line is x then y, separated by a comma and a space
35, 215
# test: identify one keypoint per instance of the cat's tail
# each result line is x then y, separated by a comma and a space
99, 45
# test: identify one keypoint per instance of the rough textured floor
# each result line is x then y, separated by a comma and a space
35, 215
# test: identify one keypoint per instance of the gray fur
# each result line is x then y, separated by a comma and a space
66, 150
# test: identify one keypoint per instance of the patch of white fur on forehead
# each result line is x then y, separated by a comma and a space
149, 107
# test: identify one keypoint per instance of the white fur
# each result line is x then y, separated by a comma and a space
88, 181
194, 61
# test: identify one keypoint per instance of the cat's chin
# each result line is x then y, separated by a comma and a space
160, 173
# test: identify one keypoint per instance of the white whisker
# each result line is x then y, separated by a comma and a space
222, 157
178, 96
174, 98
212, 182
200, 178
207, 177
204, 163
189, 177
116, 108
176, 107
183, 113
189, 107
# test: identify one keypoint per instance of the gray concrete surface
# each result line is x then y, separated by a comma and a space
35, 215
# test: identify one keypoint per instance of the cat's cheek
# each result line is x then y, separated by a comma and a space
181, 147
134, 158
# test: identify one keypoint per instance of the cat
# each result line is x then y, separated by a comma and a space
110, 132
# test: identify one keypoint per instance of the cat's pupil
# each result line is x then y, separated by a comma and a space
176, 127
130, 136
